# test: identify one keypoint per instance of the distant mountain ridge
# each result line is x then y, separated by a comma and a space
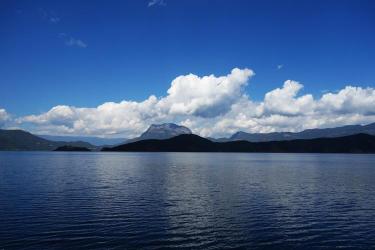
97, 141
162, 131
305, 134
359, 143
20, 140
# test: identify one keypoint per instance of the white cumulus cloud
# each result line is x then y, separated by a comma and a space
207, 96
189, 95
283, 100
212, 106
349, 100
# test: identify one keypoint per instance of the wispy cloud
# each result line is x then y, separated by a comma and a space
54, 19
72, 42
156, 3
75, 42
49, 15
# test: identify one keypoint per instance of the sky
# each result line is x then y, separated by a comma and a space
112, 68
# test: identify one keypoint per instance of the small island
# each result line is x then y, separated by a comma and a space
68, 148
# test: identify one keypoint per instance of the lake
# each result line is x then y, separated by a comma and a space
100, 200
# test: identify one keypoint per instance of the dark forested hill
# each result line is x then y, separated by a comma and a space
22, 140
359, 143
69, 148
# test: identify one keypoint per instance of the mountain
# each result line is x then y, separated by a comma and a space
162, 131
21, 140
97, 141
359, 143
306, 134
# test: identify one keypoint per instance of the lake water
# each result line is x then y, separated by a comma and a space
186, 200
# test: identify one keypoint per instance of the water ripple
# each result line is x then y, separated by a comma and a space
186, 201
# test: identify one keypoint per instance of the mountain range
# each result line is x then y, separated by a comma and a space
22, 140
96, 141
358, 143
305, 134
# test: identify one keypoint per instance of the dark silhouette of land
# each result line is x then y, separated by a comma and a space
175, 138
72, 148
359, 143
20, 140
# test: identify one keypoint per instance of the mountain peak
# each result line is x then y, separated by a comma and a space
169, 126
164, 130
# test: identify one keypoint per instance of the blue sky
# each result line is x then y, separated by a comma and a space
86, 53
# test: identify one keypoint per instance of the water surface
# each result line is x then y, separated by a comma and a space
65, 200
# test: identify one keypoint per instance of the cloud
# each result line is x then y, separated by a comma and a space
54, 19
126, 117
156, 3
207, 96
75, 42
283, 100
72, 42
280, 66
188, 95
4, 116
212, 106
49, 15
69, 40
349, 100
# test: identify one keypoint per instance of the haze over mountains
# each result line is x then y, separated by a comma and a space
96, 141
305, 134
